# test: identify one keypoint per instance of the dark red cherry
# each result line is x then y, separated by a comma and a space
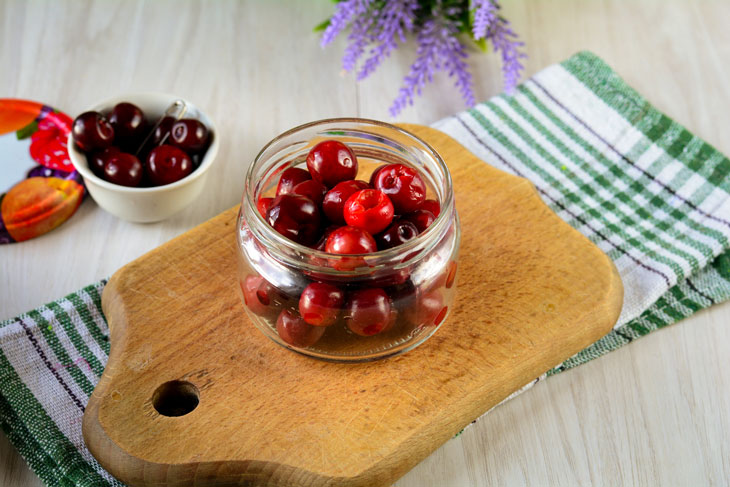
431, 205
350, 240
263, 205
290, 178
333, 204
162, 131
123, 168
370, 210
167, 164
129, 124
297, 332
295, 217
320, 303
189, 134
312, 189
403, 186
368, 312
92, 131
98, 159
331, 162
422, 219
398, 233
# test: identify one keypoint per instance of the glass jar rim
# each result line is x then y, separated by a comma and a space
416, 246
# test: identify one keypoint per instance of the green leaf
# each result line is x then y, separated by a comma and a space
322, 26
27, 131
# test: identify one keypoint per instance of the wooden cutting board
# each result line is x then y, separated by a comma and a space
531, 292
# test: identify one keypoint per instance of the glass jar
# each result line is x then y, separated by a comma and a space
412, 284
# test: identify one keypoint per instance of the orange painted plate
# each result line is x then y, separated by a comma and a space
41, 189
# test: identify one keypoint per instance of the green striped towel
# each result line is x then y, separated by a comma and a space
654, 197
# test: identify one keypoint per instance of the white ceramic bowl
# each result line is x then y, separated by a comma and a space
155, 203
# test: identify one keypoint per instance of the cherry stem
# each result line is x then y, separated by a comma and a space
177, 110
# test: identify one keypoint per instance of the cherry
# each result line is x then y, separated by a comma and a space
429, 309
167, 164
295, 217
330, 162
254, 288
290, 178
370, 210
402, 185
323, 239
92, 131
297, 332
368, 312
422, 219
123, 168
162, 131
431, 205
312, 189
99, 158
263, 205
350, 240
129, 124
189, 134
320, 304
333, 204
398, 233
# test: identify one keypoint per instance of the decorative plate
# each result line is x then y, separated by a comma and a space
40, 188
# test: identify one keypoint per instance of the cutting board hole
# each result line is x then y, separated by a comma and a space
176, 398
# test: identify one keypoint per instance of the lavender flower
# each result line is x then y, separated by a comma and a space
377, 26
485, 15
438, 49
344, 13
505, 41
397, 18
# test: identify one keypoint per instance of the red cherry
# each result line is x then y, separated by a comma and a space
350, 240
97, 160
422, 219
370, 210
263, 205
295, 217
92, 131
312, 189
290, 178
162, 131
368, 312
398, 233
403, 186
320, 304
431, 205
333, 204
167, 164
427, 310
123, 168
297, 332
330, 162
189, 134
129, 124
250, 287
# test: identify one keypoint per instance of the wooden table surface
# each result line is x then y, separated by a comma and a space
656, 412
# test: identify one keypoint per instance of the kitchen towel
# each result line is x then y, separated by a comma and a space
650, 194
